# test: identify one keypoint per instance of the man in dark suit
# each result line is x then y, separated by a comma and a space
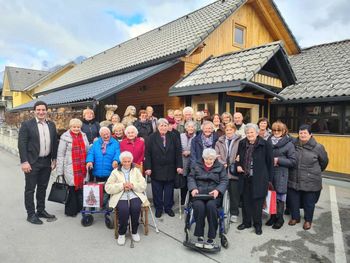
37, 145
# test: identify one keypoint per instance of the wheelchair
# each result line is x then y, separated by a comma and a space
223, 217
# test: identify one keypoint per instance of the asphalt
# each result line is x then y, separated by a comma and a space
66, 240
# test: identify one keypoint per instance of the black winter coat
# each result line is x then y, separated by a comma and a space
145, 128
91, 129
312, 159
284, 150
163, 161
207, 181
262, 166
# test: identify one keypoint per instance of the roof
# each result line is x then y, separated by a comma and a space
20, 78
97, 90
224, 72
171, 40
323, 72
47, 76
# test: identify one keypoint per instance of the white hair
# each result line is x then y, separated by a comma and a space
124, 155
162, 121
190, 123
209, 153
104, 129
187, 109
131, 127
251, 126
205, 123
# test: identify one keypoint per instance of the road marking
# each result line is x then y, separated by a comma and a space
339, 251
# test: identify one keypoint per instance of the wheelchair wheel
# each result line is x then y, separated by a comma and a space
109, 222
87, 220
227, 215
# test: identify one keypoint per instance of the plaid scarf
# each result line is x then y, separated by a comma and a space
78, 160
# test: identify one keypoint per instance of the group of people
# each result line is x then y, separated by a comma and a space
214, 153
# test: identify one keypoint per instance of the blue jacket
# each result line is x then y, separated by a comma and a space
197, 148
103, 162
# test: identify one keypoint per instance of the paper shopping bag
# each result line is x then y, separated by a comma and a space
270, 203
93, 195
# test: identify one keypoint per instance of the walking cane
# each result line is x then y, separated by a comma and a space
180, 207
130, 225
150, 209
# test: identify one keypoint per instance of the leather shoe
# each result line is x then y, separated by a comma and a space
242, 226
307, 225
159, 213
171, 213
44, 214
258, 230
34, 220
293, 222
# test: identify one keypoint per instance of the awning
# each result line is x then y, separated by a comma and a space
98, 90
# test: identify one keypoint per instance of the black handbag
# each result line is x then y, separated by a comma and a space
232, 168
180, 181
59, 191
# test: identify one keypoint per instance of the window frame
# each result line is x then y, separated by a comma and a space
244, 29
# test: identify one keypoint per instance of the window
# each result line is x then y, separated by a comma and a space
239, 33
323, 117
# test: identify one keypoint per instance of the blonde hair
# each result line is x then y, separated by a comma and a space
230, 125
86, 111
75, 122
118, 126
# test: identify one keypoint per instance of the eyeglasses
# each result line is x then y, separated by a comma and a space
276, 130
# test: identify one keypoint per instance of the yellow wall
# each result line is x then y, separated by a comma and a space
220, 41
6, 87
20, 98
338, 149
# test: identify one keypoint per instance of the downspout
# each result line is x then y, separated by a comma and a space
262, 89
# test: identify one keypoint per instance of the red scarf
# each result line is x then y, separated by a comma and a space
78, 160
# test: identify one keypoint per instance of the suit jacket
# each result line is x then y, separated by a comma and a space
29, 143
163, 161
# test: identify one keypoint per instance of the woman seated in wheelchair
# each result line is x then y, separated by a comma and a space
126, 185
207, 177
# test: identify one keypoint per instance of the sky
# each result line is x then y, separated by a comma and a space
41, 34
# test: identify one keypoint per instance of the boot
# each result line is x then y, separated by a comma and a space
271, 221
280, 221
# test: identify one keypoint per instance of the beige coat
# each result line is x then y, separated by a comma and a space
114, 186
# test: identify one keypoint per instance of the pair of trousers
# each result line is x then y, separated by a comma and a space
38, 178
184, 191
252, 207
163, 194
234, 194
124, 211
305, 199
206, 209
75, 202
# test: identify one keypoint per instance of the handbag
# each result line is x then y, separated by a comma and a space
59, 191
180, 181
232, 168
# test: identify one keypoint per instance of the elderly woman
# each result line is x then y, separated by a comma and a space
207, 176
264, 128
219, 128
305, 181
255, 168
114, 119
186, 139
143, 125
205, 139
118, 132
71, 156
284, 158
226, 117
126, 186
162, 162
226, 147
103, 156
90, 127
133, 144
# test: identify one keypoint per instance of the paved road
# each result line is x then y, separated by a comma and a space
65, 240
